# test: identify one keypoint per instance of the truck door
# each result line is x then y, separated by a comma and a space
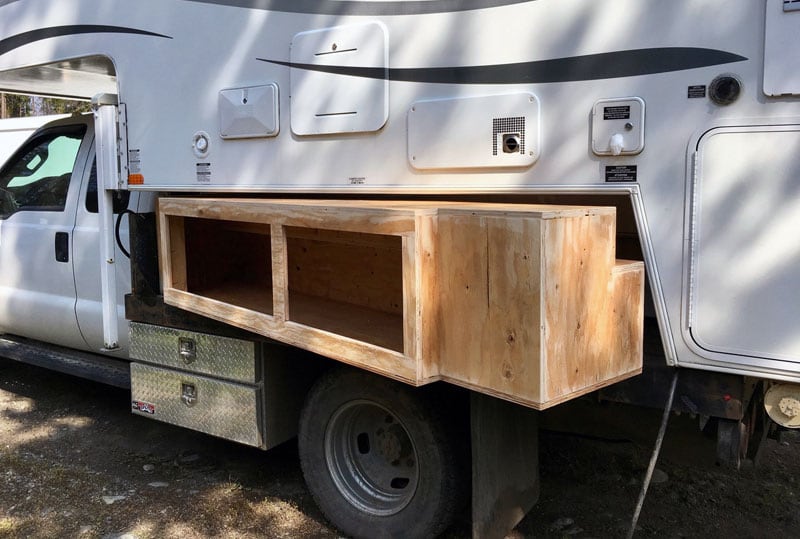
86, 241
39, 187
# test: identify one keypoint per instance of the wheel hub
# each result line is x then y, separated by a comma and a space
371, 458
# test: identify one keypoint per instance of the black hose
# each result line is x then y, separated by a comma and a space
654, 457
116, 232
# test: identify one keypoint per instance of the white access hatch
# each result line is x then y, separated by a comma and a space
493, 131
340, 79
618, 126
781, 46
744, 297
249, 112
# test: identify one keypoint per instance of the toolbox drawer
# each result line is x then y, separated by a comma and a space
220, 408
220, 357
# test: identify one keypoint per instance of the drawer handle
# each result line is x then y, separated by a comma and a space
187, 349
188, 394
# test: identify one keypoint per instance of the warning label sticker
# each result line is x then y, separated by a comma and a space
134, 161
621, 173
697, 91
617, 113
203, 172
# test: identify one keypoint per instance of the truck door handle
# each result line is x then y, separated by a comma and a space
62, 247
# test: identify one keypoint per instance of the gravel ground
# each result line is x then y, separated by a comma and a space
76, 463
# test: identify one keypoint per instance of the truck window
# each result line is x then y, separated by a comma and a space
37, 177
121, 198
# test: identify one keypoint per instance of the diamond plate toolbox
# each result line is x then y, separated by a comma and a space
216, 356
225, 409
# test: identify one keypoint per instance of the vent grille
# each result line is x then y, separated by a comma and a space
504, 126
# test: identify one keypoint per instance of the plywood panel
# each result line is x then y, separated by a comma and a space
349, 320
348, 216
362, 269
280, 272
522, 302
578, 258
463, 297
227, 254
627, 317
222, 311
428, 286
490, 302
512, 335
351, 351
173, 237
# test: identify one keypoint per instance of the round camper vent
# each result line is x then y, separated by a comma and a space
725, 89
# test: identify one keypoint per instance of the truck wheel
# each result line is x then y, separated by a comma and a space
378, 457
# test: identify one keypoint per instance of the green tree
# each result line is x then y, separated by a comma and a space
19, 106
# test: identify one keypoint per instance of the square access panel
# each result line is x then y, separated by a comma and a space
781, 43
618, 126
329, 93
249, 112
481, 132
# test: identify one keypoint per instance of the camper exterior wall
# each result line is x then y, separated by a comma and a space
172, 59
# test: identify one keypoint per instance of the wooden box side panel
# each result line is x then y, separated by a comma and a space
581, 350
172, 252
490, 303
423, 306
627, 317
623, 326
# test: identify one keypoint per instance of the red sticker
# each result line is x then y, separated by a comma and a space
144, 407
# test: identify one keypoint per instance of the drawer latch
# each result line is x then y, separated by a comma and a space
188, 394
187, 349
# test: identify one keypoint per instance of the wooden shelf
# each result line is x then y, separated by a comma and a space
523, 302
360, 323
247, 296
347, 283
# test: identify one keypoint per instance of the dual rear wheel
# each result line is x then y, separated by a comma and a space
380, 458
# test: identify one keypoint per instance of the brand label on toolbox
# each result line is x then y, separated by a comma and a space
144, 407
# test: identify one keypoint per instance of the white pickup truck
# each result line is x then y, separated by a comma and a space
395, 228
51, 316
49, 271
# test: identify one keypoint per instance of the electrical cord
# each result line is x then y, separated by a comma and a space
654, 457
117, 235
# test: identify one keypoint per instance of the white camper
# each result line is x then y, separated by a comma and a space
496, 199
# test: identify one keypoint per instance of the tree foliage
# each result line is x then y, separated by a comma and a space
19, 106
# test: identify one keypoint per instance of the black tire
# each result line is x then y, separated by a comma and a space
378, 457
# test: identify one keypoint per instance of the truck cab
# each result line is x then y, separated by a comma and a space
48, 214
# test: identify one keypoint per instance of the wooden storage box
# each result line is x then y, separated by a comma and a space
523, 302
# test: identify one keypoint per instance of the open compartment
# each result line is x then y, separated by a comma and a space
525, 302
227, 261
348, 283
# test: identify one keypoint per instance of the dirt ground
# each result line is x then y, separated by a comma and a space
75, 463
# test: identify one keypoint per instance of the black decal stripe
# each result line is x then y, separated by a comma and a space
607, 65
14, 42
364, 8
